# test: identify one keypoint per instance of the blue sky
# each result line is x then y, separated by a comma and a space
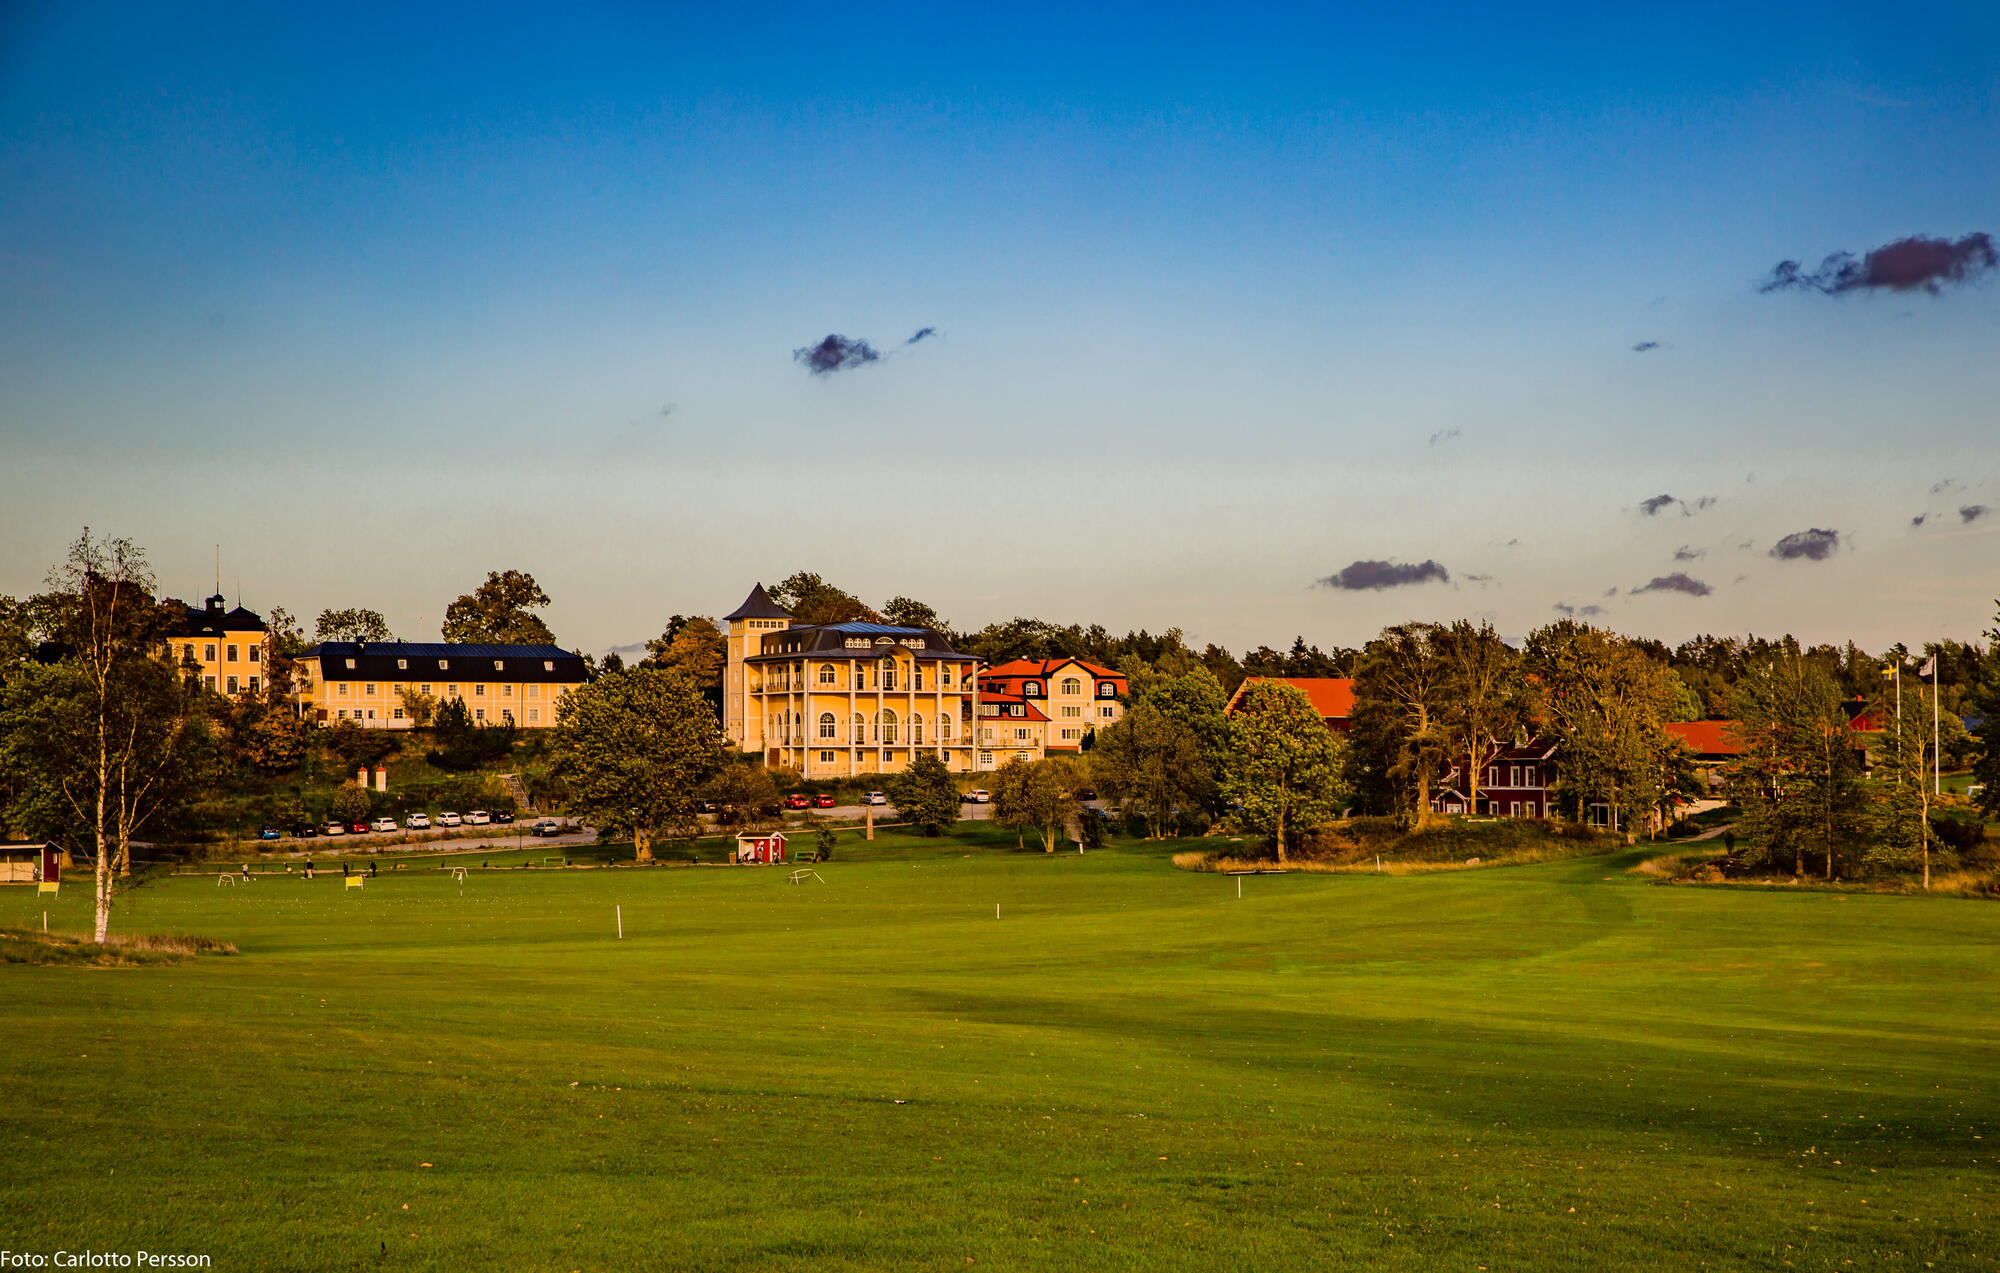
1225, 302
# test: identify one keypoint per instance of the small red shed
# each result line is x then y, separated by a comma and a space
754, 847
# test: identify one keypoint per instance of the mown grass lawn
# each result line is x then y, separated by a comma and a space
1555, 1066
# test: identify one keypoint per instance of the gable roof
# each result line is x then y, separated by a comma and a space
214, 621
1332, 696
1707, 737
1042, 669
758, 605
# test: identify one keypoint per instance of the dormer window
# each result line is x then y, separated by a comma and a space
1105, 689
548, 665
402, 665
350, 665
1032, 689
444, 665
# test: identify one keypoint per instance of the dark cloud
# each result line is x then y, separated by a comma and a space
1586, 612
1652, 506
1916, 264
1611, 592
1685, 553
1443, 436
1645, 346
835, 353
1815, 545
1972, 512
1367, 576
923, 333
1919, 520
1706, 501
1679, 581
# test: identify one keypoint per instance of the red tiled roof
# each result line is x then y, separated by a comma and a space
1034, 713
1018, 669
1707, 737
1332, 696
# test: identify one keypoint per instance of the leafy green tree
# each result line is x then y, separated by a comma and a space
635, 751
1151, 763
1038, 796
1797, 778
1607, 702
1900, 810
743, 791
925, 795
1402, 699
421, 708
812, 599
350, 803
1485, 697
906, 612
351, 625
1287, 766
693, 644
1985, 697
500, 611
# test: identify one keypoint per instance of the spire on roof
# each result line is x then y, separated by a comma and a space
758, 605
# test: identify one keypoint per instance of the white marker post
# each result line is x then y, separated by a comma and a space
996, 910
621, 923
1239, 888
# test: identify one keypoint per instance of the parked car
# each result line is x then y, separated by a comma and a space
478, 818
268, 833
382, 824
336, 828
357, 827
822, 802
706, 806
449, 819
798, 802
503, 817
874, 797
978, 795
418, 822
548, 826
305, 832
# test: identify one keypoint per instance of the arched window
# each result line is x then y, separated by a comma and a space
916, 730
1031, 689
944, 675
826, 674
860, 729
944, 725
826, 726
886, 732
1072, 685
888, 674
917, 678
1106, 689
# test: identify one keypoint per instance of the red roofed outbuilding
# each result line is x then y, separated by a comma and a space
1332, 697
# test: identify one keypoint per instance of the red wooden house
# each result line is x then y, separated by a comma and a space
1514, 781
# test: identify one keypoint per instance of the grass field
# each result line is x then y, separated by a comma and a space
1556, 1066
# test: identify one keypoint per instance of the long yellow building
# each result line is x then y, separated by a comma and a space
840, 699
364, 681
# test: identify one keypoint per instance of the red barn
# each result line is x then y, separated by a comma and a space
765, 849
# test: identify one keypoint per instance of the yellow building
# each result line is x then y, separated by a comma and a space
1050, 704
226, 650
364, 681
842, 699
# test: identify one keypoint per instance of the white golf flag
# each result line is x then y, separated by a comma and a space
1929, 664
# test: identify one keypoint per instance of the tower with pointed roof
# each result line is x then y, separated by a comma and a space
748, 623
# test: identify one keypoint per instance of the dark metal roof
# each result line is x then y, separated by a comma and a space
758, 605
445, 661
830, 640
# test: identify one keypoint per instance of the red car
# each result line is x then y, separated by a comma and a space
798, 802
823, 802
357, 828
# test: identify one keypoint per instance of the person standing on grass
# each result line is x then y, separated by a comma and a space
343, 870
246, 872
309, 868
371, 870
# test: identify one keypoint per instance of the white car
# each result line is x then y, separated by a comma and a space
478, 818
979, 796
418, 821
449, 819
382, 824
874, 797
